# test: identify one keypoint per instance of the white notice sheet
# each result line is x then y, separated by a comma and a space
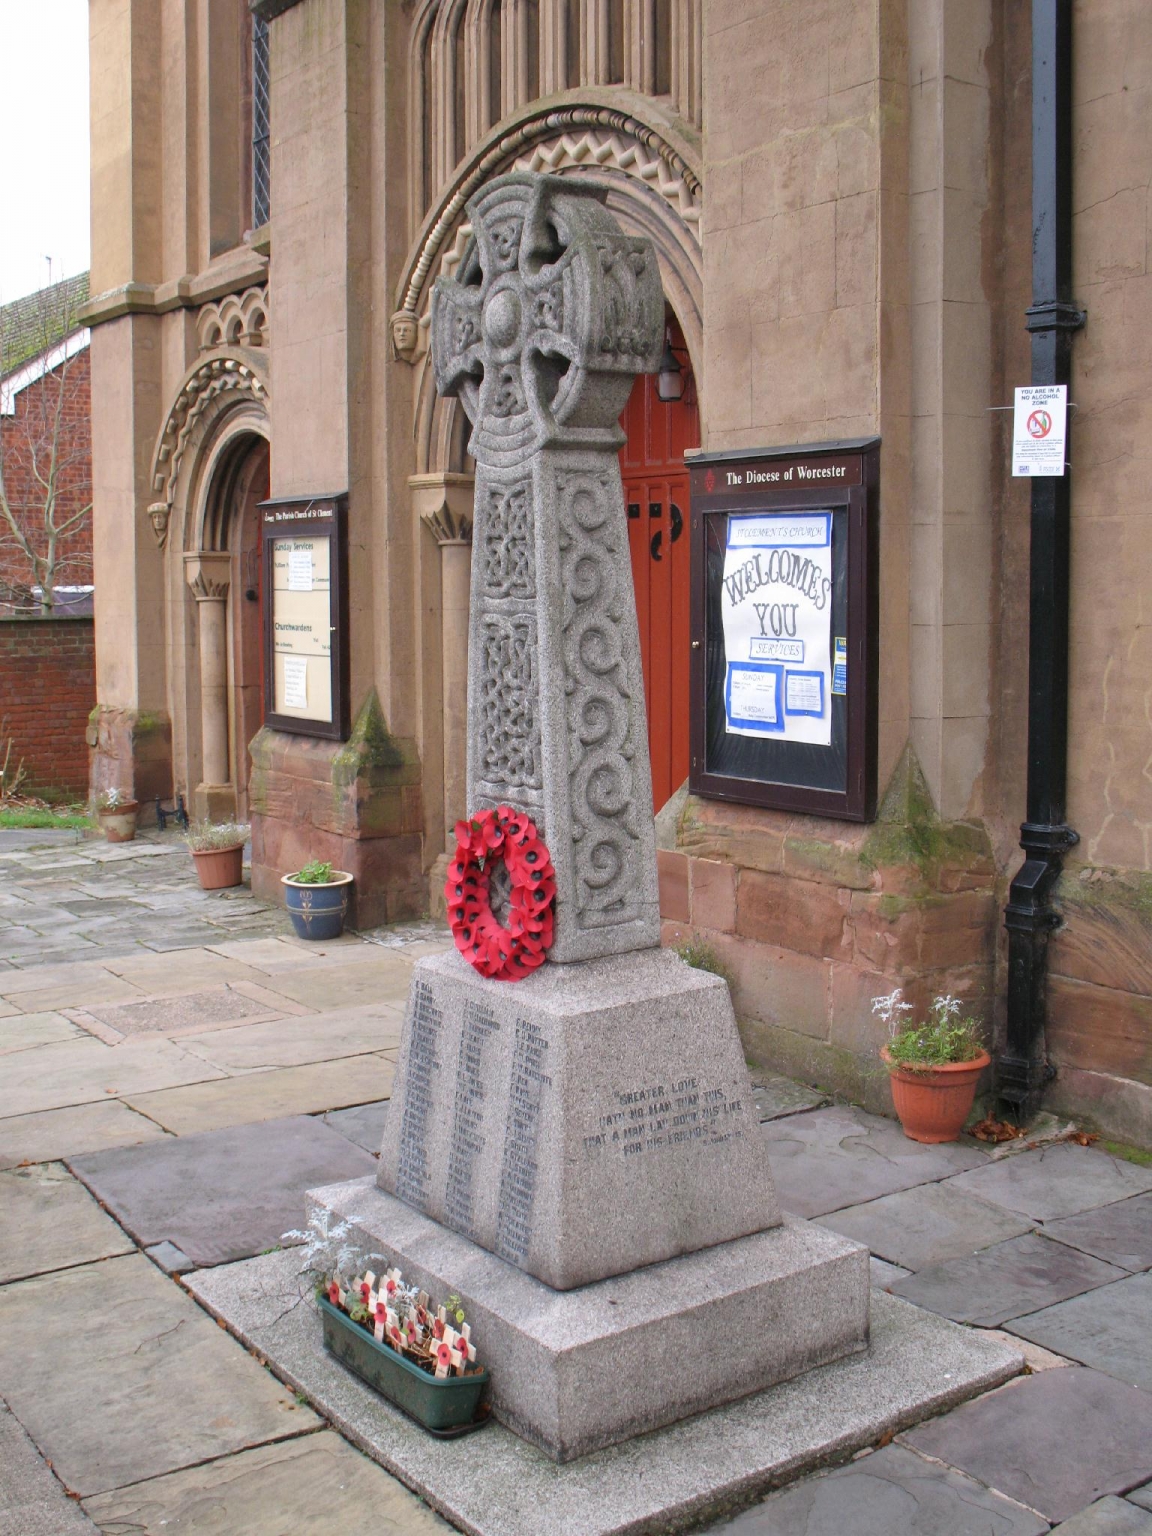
300, 570
776, 604
296, 682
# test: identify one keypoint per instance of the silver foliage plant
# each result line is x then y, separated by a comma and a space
330, 1251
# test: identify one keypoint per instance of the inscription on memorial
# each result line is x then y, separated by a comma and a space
518, 1168
423, 1064
467, 1115
659, 1116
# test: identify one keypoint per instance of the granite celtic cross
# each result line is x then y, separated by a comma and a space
554, 312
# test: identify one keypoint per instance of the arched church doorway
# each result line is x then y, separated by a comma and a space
656, 496
230, 606
246, 712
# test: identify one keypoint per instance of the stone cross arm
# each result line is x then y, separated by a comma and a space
554, 313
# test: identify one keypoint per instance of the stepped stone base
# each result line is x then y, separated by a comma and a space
574, 1371
586, 1121
496, 1484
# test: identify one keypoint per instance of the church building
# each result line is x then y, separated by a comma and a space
846, 201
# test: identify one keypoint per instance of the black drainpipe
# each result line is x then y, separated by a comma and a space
1022, 1067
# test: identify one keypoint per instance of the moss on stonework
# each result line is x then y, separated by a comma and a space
371, 745
147, 724
1088, 888
909, 832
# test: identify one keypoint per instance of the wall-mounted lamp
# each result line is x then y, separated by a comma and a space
670, 377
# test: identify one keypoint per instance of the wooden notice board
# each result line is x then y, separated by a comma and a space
784, 627
305, 563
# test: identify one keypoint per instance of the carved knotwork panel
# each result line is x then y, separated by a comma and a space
509, 745
508, 547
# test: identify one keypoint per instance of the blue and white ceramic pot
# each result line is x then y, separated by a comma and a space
318, 911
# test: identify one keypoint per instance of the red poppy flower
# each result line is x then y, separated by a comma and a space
443, 1354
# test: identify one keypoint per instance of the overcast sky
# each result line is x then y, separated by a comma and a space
43, 143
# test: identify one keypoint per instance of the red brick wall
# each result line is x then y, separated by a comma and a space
47, 688
26, 437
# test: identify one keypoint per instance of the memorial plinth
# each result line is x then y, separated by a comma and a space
576, 1154
581, 1123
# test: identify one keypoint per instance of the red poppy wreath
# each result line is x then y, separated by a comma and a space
505, 954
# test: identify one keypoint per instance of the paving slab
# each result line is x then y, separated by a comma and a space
53, 1133
200, 967
495, 1484
175, 1015
777, 1097
318, 1485
1035, 1358
267, 1095
340, 985
1120, 1233
87, 1070
170, 1258
225, 1194
883, 1274
1051, 1182
364, 1124
1112, 1332
44, 995
50, 1221
927, 1225
292, 1042
30, 1029
892, 1492
1142, 1497
32, 1500
1055, 1441
1011, 1279
837, 1157
1109, 1517
119, 1376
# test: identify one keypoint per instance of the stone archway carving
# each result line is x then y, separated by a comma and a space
591, 138
215, 385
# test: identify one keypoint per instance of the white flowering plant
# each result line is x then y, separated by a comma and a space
946, 1035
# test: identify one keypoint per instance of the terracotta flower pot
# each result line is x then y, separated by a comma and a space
934, 1102
118, 822
218, 868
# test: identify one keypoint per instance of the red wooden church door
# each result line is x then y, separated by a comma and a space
656, 496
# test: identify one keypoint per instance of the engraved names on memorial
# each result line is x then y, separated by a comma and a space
468, 1137
518, 1169
426, 1021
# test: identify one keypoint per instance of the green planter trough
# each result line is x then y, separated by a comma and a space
438, 1402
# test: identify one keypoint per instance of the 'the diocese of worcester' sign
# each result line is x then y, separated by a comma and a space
784, 627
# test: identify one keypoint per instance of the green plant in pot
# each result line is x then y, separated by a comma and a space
934, 1065
116, 813
218, 852
317, 899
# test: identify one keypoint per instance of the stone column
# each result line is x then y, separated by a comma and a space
208, 573
453, 534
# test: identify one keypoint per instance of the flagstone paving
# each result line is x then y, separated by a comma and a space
52, 1222
330, 1489
118, 1375
926, 1225
32, 1500
118, 977
891, 1490
1116, 1338
225, 1194
1056, 1441
1008, 1280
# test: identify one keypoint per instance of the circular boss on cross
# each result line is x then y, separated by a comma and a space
503, 953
